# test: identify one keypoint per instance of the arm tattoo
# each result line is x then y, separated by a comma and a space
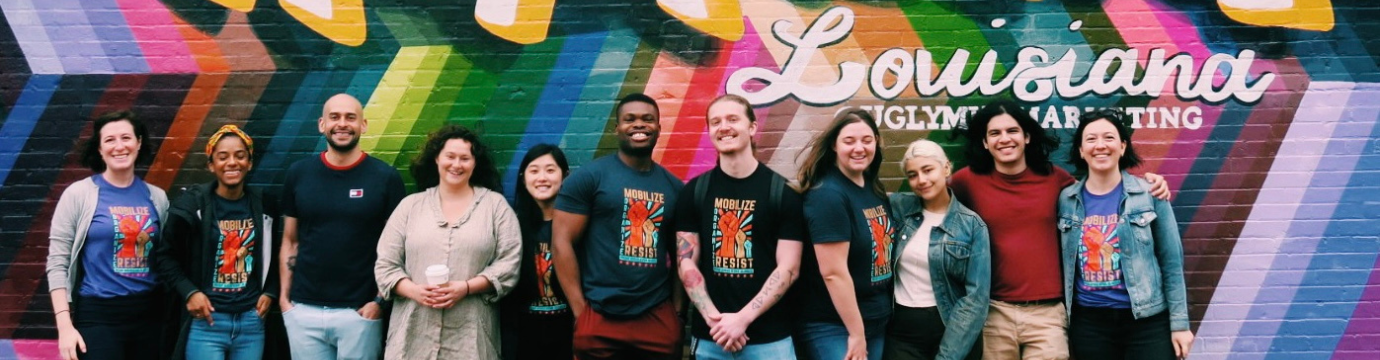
292, 262
694, 289
693, 279
773, 289
687, 243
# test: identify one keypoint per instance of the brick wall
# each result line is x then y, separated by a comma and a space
1272, 152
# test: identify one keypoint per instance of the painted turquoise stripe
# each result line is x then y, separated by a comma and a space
587, 122
23, 118
1332, 231
1049, 30
559, 97
361, 85
303, 109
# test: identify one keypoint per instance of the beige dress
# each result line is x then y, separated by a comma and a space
484, 242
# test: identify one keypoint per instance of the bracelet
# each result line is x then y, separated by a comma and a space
467, 288
62, 311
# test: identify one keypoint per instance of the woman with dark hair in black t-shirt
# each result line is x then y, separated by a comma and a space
537, 323
217, 255
849, 298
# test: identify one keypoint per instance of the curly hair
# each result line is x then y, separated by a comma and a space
1037, 152
424, 165
91, 151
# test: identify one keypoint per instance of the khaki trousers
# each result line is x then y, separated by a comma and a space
1028, 332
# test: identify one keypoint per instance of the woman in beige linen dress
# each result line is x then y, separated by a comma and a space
459, 221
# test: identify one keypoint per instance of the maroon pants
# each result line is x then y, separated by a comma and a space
653, 335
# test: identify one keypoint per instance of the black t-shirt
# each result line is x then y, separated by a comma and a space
235, 281
839, 210
538, 293
738, 230
625, 255
340, 211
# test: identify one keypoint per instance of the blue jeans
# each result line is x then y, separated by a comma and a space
780, 349
323, 333
829, 341
233, 337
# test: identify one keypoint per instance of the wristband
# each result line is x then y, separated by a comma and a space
379, 300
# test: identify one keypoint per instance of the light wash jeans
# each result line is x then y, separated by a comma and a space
827, 341
781, 349
233, 337
323, 333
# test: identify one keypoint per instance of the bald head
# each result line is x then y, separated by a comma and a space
342, 103
342, 122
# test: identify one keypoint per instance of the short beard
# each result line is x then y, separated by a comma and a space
350, 146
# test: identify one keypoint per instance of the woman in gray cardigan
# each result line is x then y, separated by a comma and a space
104, 292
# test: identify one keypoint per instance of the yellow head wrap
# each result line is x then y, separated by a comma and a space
229, 129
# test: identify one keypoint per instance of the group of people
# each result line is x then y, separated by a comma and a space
1015, 258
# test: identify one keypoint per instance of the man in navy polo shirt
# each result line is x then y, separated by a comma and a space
335, 206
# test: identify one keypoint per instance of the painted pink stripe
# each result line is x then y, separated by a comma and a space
1189, 143
36, 349
1180, 30
164, 47
668, 83
1145, 27
744, 54
1139, 27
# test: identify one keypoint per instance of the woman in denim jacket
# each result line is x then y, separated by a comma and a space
943, 283
1123, 261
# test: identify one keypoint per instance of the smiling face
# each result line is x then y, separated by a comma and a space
1101, 146
730, 127
342, 121
855, 148
455, 163
119, 146
229, 161
543, 178
1006, 141
639, 125
927, 177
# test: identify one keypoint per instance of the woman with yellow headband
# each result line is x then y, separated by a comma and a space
217, 255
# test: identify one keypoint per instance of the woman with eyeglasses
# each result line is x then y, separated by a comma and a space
1122, 257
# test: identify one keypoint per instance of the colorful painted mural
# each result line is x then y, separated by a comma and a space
1263, 115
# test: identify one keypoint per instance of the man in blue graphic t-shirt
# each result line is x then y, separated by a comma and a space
622, 291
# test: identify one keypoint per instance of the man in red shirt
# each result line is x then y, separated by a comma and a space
1012, 185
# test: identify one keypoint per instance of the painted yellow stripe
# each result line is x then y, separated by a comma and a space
398, 100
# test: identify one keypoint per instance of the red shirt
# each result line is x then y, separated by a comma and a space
1021, 212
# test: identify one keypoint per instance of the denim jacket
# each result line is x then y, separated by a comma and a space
960, 268
1152, 262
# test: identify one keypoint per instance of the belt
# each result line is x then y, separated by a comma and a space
1051, 301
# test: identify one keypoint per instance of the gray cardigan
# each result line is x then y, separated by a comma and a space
71, 219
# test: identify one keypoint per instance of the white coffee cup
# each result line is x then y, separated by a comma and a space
437, 274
